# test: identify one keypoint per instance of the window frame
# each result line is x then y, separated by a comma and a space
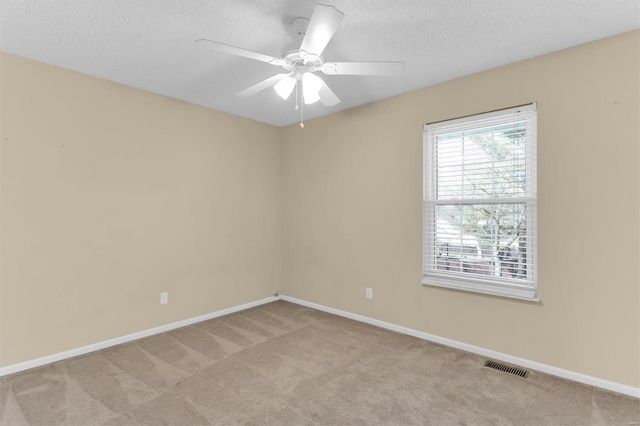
498, 286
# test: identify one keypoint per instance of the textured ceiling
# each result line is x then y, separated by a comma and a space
149, 44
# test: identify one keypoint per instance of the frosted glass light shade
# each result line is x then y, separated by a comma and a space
311, 85
285, 86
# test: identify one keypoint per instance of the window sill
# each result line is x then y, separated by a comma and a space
477, 286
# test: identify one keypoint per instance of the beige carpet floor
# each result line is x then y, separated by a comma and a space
284, 364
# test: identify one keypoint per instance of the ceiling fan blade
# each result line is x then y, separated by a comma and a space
221, 47
327, 97
264, 84
322, 26
363, 68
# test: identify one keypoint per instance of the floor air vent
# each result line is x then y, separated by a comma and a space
506, 368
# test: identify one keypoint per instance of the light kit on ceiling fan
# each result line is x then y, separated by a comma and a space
301, 62
285, 86
311, 85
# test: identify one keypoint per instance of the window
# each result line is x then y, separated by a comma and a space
480, 203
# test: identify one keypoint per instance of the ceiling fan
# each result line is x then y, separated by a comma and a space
302, 61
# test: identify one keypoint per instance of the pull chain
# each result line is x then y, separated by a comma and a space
301, 105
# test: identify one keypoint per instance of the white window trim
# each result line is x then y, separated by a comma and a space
496, 286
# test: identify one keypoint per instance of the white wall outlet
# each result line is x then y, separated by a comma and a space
164, 298
369, 293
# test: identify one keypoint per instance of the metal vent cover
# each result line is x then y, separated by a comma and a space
507, 368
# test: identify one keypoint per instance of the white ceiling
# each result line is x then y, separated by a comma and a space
149, 44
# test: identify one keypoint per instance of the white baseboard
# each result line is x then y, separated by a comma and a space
544, 368
533, 365
26, 365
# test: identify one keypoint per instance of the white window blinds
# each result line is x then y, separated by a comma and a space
480, 203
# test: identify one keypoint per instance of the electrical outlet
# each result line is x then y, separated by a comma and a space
164, 298
369, 293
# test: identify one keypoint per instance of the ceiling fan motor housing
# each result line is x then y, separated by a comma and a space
295, 62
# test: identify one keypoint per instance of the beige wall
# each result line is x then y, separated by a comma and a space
352, 215
110, 195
